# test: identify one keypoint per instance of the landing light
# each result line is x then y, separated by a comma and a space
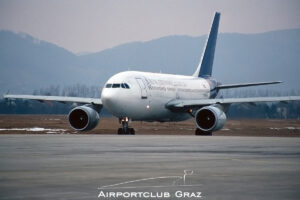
125, 119
148, 106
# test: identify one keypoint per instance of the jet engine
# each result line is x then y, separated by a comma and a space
83, 118
210, 118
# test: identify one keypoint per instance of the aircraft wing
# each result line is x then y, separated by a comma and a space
179, 104
55, 98
227, 86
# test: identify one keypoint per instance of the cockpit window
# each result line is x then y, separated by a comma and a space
126, 85
116, 85
108, 85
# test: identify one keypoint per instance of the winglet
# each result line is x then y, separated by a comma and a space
204, 68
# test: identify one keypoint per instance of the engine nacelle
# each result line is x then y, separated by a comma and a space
210, 118
83, 118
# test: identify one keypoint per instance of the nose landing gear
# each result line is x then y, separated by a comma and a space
125, 130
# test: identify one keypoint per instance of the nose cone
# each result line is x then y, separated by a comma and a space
107, 97
111, 100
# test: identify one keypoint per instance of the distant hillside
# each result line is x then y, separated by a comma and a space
27, 63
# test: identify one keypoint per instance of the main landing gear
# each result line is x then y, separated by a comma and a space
203, 133
125, 130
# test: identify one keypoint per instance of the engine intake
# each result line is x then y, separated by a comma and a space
210, 118
83, 118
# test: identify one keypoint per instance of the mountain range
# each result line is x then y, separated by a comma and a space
27, 63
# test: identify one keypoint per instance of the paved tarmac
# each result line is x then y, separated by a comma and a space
90, 166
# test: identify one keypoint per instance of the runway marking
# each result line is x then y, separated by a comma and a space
186, 173
155, 186
139, 180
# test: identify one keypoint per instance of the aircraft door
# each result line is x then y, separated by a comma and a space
142, 87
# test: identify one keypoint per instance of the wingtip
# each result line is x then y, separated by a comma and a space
5, 94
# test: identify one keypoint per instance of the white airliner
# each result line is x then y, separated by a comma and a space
145, 96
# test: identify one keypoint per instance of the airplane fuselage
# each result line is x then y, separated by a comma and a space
144, 95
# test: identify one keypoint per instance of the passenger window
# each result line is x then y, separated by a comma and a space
116, 85
108, 85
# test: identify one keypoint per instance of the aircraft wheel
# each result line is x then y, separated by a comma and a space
120, 131
203, 133
128, 131
131, 131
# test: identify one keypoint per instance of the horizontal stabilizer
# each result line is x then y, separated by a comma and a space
227, 86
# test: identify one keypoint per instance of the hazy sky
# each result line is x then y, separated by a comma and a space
93, 25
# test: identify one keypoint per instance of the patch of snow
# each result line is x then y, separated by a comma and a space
288, 128
34, 129
54, 132
225, 129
